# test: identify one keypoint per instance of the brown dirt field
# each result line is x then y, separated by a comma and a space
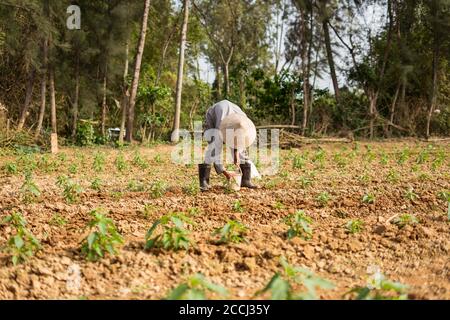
417, 256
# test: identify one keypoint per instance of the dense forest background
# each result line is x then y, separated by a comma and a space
137, 65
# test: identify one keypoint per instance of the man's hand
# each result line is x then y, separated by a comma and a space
229, 174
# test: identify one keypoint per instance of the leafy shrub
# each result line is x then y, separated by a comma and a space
281, 284
23, 244
85, 135
299, 225
172, 235
103, 238
232, 232
196, 288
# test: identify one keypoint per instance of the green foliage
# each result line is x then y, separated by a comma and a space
96, 184
323, 198
282, 284
354, 226
404, 220
192, 188
403, 156
196, 288
57, 220
99, 162
237, 207
103, 237
120, 162
368, 198
319, 158
10, 168
71, 189
410, 194
85, 134
299, 161
232, 232
299, 225
172, 234
22, 245
392, 176
135, 186
444, 195
157, 189
29, 189
139, 161
304, 182
380, 288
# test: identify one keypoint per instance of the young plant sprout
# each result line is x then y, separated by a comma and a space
238, 207
299, 225
404, 220
368, 198
232, 232
71, 190
354, 226
196, 287
29, 189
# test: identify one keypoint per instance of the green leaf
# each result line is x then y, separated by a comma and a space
18, 241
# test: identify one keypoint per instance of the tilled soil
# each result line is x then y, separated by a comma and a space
416, 255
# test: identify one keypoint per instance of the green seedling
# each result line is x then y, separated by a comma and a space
384, 158
157, 189
172, 234
192, 188
411, 195
232, 232
71, 189
319, 158
194, 212
403, 156
96, 184
135, 186
57, 220
404, 220
424, 155
10, 168
444, 196
99, 162
103, 237
365, 179
299, 162
196, 287
121, 163
368, 198
29, 189
22, 245
278, 205
139, 161
354, 226
299, 225
392, 176
158, 158
323, 198
340, 160
438, 160
304, 182
369, 156
281, 286
238, 207
148, 210
379, 288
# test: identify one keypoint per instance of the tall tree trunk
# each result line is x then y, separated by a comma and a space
226, 79
326, 33
28, 99
42, 107
218, 83
434, 88
305, 52
176, 121
126, 94
104, 105
137, 71
393, 105
77, 95
53, 101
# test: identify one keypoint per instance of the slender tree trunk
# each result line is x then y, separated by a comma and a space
104, 104
326, 33
126, 94
305, 70
226, 79
393, 105
53, 101
28, 99
137, 71
176, 121
42, 107
434, 89
77, 96
218, 82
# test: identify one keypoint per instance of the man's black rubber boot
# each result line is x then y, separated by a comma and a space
204, 170
246, 176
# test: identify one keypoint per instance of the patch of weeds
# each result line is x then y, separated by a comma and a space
365, 179
354, 226
340, 160
158, 158
323, 198
196, 287
424, 177
368, 198
139, 161
148, 210
299, 225
404, 220
278, 205
22, 245
29, 189
10, 168
103, 237
438, 159
444, 195
157, 189
282, 283
305, 182
71, 189
172, 233
319, 158
299, 161
424, 155
57, 220
232, 232
393, 176
194, 212
384, 158
403, 156
369, 156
